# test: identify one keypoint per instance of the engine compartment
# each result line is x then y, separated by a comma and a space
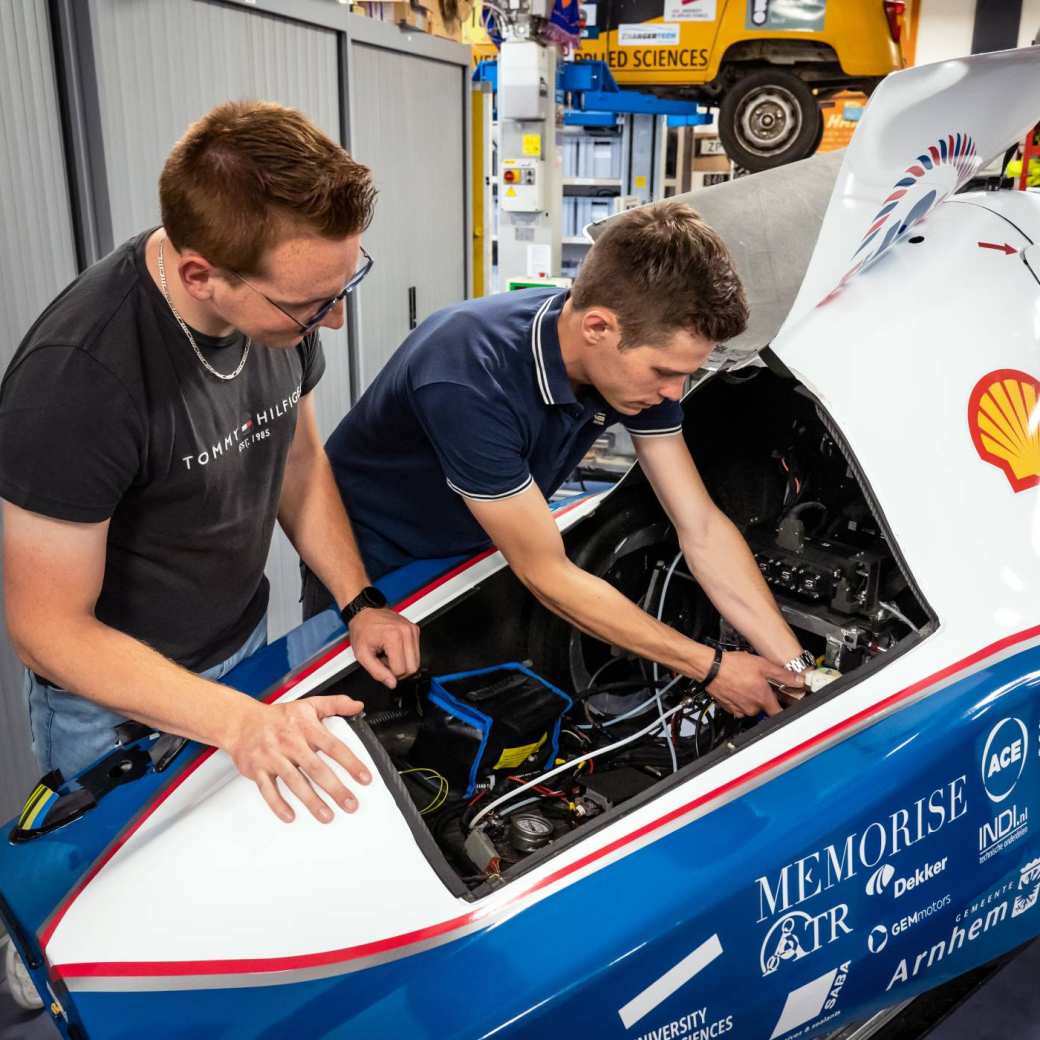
522, 730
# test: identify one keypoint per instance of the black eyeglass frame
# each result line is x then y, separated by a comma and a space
358, 276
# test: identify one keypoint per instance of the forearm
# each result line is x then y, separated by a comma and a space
724, 567
598, 609
312, 515
118, 672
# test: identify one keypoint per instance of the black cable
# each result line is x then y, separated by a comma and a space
625, 684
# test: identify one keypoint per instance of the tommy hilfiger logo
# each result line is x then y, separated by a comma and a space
249, 432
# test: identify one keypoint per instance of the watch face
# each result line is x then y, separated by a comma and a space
373, 597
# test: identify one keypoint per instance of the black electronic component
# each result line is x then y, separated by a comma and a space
823, 571
490, 722
614, 786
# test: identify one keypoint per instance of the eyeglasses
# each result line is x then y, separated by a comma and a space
316, 317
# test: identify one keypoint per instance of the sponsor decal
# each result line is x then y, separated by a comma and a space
939, 171
662, 988
786, 15
1027, 891
250, 431
878, 938
983, 901
647, 35
692, 1026
689, 10
653, 58
907, 922
1004, 758
882, 877
864, 850
798, 934
1028, 888
1003, 831
1002, 418
810, 1001
587, 21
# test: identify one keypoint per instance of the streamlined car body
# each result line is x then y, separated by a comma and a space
634, 863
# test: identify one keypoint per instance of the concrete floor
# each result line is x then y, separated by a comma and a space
1007, 1007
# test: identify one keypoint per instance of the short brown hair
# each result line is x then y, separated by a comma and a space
661, 269
245, 170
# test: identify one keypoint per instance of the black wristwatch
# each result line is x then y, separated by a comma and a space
369, 596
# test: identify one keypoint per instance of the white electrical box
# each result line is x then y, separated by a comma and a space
521, 185
526, 85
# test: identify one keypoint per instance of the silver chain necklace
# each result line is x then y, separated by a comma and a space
187, 332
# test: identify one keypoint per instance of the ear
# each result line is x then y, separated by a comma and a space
600, 326
197, 275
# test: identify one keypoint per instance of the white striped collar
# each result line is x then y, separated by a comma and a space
550, 373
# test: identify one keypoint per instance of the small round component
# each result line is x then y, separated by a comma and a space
529, 831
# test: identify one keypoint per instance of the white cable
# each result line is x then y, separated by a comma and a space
574, 762
639, 708
667, 582
660, 706
526, 801
895, 612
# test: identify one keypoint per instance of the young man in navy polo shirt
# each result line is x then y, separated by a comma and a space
488, 406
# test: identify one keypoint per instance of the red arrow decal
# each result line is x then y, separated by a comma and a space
1004, 248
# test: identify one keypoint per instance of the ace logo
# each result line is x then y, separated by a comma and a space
1004, 758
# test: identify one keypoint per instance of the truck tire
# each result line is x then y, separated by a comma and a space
769, 118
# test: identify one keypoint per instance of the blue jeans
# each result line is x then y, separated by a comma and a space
69, 732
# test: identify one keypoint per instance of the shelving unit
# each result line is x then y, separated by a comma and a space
592, 182
642, 159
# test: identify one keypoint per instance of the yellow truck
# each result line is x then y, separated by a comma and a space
765, 64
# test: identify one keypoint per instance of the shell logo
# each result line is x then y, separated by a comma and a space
1004, 419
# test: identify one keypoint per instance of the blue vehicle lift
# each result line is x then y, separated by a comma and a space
593, 98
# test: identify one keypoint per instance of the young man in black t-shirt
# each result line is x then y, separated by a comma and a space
154, 422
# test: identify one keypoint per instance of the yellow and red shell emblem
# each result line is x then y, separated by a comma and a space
1004, 419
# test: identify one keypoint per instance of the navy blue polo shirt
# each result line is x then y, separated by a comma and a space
476, 404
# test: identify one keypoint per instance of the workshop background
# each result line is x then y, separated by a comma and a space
88, 112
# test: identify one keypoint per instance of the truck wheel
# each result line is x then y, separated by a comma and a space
769, 118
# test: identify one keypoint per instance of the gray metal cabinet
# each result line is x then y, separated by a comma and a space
419, 158
37, 259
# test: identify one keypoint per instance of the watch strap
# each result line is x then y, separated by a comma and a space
369, 596
713, 671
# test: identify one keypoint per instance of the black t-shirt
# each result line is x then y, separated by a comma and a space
106, 412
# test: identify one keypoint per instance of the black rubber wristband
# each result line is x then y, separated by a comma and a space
713, 671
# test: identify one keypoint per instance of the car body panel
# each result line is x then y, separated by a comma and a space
558, 951
925, 133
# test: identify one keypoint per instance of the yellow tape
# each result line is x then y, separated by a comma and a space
30, 803
39, 807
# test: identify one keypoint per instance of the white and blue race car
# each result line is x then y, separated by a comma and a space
560, 840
